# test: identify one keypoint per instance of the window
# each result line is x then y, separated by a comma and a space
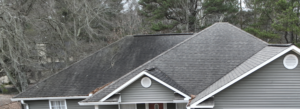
128, 106
146, 82
156, 106
57, 104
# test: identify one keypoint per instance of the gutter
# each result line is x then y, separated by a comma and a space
48, 98
25, 104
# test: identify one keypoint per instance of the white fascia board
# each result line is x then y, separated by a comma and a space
180, 101
48, 98
294, 48
187, 97
137, 77
115, 103
98, 103
123, 86
212, 106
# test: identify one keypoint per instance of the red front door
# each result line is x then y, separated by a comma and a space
156, 106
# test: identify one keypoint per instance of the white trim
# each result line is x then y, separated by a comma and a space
58, 100
123, 86
135, 106
48, 98
285, 63
180, 101
26, 105
98, 103
187, 97
294, 48
137, 77
96, 107
113, 103
143, 82
186, 106
165, 106
202, 106
147, 105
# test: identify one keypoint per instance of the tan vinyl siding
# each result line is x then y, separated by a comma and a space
137, 93
271, 87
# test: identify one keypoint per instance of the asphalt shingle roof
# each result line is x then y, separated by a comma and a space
254, 61
104, 66
165, 78
199, 61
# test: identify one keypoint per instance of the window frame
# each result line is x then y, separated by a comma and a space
64, 100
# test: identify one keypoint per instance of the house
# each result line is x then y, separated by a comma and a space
221, 67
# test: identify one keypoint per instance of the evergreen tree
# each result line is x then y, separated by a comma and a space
221, 9
287, 20
177, 14
168, 14
274, 21
262, 19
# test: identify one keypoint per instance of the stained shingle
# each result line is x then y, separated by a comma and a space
104, 66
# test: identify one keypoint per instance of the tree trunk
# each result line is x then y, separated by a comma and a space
187, 16
285, 37
241, 18
296, 38
12, 80
292, 37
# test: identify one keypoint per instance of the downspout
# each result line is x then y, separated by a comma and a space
24, 104
96, 107
119, 101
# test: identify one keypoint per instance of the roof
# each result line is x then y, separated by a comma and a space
256, 60
104, 66
199, 61
153, 73
166, 79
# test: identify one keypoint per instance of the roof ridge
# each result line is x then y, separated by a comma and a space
246, 32
125, 37
151, 60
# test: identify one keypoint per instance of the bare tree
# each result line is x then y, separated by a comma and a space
37, 35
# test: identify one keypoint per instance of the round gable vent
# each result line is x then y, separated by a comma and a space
290, 61
146, 82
